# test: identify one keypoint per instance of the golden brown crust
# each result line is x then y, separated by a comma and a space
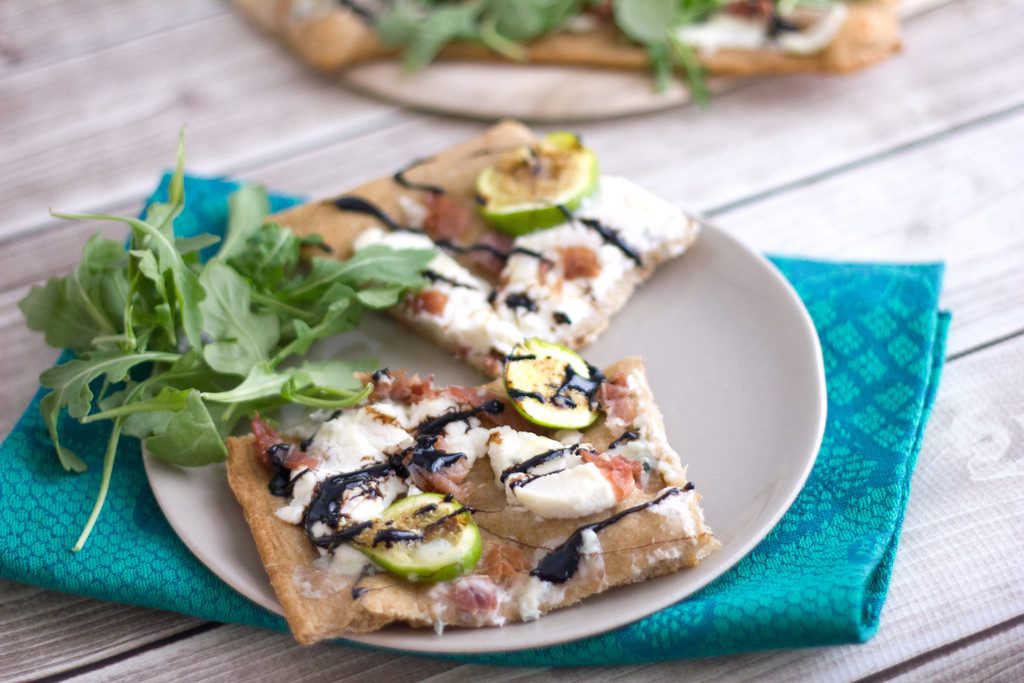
333, 40
319, 604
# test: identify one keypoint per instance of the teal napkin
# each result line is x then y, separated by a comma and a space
819, 578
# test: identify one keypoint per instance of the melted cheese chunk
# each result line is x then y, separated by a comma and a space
559, 488
357, 439
726, 31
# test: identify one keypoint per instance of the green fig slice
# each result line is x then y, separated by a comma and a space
528, 188
550, 385
425, 537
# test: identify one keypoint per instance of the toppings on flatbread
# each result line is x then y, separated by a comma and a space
524, 190
425, 537
428, 505
551, 385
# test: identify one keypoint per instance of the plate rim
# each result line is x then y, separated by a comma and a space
390, 639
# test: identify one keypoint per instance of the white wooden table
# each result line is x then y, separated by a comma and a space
920, 158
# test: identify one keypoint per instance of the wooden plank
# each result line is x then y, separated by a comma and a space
966, 213
94, 131
961, 64
965, 496
955, 573
37, 32
996, 658
228, 652
43, 632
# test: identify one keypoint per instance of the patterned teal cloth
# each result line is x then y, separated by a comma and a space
819, 578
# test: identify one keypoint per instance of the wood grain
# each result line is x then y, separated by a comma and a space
42, 631
224, 653
110, 118
37, 32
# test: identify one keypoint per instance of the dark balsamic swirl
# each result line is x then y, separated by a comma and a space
400, 178
325, 506
561, 564
623, 438
425, 456
609, 235
518, 300
434, 276
360, 205
574, 381
494, 251
282, 483
436, 424
525, 466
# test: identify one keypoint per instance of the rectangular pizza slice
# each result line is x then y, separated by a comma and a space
497, 278
445, 506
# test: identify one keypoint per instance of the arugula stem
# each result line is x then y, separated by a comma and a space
271, 302
101, 497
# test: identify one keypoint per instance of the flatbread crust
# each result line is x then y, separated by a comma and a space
331, 38
319, 604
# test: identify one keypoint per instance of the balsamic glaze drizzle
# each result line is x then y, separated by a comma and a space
561, 318
778, 25
574, 381
360, 205
502, 256
623, 438
539, 459
561, 564
436, 424
609, 235
325, 505
519, 393
399, 177
282, 483
434, 276
425, 456
391, 536
521, 300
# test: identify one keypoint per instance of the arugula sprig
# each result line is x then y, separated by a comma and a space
177, 352
423, 27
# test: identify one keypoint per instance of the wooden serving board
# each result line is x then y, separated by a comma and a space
533, 92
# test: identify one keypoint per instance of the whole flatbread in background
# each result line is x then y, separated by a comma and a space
330, 38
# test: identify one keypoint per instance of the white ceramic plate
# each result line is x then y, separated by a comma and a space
736, 367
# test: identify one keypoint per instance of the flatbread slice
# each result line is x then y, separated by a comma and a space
487, 291
330, 37
654, 527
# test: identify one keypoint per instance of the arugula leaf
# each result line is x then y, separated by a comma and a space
71, 382
241, 338
247, 209
71, 312
190, 437
242, 314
